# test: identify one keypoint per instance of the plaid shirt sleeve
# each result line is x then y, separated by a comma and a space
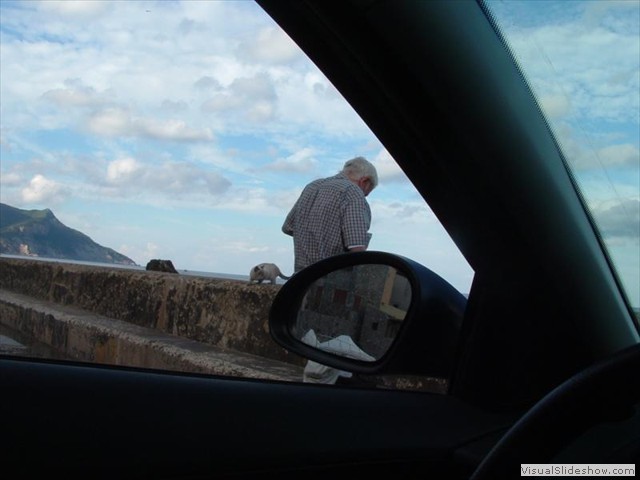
356, 220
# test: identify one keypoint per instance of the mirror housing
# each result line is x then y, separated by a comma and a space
427, 337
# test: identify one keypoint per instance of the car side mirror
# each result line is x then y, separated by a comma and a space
371, 313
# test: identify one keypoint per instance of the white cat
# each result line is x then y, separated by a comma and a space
266, 272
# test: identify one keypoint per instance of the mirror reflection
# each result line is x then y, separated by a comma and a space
355, 312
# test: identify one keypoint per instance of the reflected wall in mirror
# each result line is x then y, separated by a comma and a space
355, 312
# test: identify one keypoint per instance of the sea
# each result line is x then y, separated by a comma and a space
195, 273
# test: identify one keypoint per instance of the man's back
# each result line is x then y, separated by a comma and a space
331, 216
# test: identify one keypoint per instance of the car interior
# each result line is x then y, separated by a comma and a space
541, 360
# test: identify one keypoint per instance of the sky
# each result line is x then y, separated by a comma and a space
582, 59
185, 130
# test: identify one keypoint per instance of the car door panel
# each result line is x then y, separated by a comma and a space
103, 420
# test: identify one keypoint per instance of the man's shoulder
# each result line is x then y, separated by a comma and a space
333, 178
335, 181
337, 186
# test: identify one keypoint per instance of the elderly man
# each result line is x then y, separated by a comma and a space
332, 215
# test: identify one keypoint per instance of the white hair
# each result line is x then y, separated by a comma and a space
359, 167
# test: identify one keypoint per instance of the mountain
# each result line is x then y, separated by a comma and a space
39, 233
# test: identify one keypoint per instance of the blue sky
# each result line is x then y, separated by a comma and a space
582, 59
186, 130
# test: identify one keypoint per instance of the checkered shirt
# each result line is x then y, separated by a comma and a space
331, 216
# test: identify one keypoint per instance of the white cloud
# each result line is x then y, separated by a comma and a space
245, 200
283, 200
10, 179
124, 170
41, 190
184, 178
118, 122
271, 46
110, 122
308, 104
176, 130
176, 106
402, 212
301, 161
222, 160
73, 95
588, 151
206, 82
555, 106
622, 154
619, 218
261, 111
173, 181
253, 99
81, 9
184, 68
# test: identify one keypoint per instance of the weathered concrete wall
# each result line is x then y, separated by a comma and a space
225, 313
69, 333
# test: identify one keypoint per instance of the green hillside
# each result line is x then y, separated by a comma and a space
40, 233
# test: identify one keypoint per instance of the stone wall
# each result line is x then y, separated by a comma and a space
226, 313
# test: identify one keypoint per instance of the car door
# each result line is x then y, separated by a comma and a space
436, 84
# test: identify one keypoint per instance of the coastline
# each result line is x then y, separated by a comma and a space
195, 273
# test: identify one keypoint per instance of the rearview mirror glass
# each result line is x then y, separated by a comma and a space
355, 312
